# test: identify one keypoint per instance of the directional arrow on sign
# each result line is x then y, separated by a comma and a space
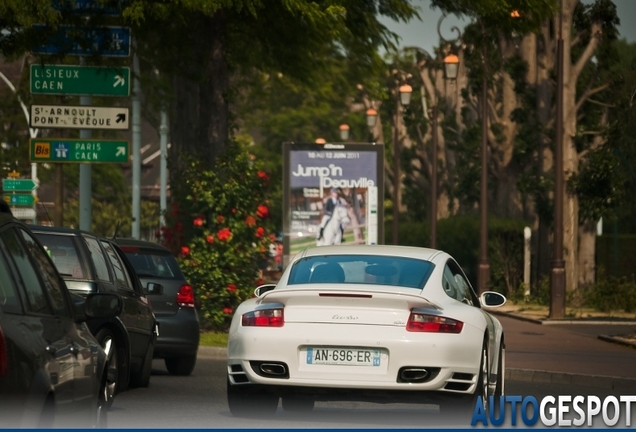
120, 151
79, 117
119, 80
121, 117
19, 199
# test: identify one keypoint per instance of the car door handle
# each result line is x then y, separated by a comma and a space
51, 349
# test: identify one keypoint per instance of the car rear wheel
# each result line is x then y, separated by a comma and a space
246, 402
297, 403
106, 339
182, 366
101, 414
142, 378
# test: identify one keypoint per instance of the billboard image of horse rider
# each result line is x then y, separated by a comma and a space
334, 219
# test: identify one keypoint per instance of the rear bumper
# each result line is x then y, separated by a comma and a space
178, 334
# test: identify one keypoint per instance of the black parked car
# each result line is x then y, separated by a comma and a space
90, 264
52, 370
172, 300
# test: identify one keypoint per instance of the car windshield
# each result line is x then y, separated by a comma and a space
153, 263
361, 269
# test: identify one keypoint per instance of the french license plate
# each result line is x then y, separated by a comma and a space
343, 356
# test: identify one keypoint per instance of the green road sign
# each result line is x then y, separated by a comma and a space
78, 150
18, 185
78, 80
19, 199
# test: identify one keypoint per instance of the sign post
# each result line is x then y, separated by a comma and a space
79, 150
78, 80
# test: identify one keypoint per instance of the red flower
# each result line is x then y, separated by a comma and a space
250, 221
260, 232
259, 282
231, 287
224, 234
262, 175
220, 219
272, 237
185, 250
233, 211
262, 211
210, 239
227, 310
198, 222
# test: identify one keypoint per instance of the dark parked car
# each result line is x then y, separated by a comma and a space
90, 264
52, 370
172, 300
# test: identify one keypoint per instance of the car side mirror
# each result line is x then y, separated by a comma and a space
259, 291
102, 305
154, 289
492, 299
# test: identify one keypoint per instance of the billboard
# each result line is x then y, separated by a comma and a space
333, 194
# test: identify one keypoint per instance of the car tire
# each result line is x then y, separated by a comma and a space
501, 372
181, 366
297, 403
114, 383
101, 413
246, 402
142, 378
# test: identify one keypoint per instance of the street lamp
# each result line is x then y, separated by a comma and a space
320, 141
404, 98
344, 132
451, 66
372, 117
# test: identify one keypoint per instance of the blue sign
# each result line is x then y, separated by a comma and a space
87, 7
61, 150
104, 41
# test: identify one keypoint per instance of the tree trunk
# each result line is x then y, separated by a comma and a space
587, 254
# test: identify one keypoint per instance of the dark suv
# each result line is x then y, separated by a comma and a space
172, 300
91, 264
52, 370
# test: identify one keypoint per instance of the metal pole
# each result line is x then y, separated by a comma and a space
396, 170
557, 275
483, 278
163, 167
85, 176
136, 151
434, 180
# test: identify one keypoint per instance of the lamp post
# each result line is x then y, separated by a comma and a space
557, 275
403, 98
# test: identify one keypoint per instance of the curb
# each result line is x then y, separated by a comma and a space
561, 321
616, 340
596, 381
525, 375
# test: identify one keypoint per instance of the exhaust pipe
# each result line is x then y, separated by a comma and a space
413, 374
273, 369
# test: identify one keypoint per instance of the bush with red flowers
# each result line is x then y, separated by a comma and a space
219, 227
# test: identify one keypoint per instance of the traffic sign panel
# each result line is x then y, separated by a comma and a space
78, 150
106, 41
79, 117
87, 7
19, 199
18, 185
79, 80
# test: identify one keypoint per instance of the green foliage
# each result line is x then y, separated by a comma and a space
611, 294
220, 230
459, 236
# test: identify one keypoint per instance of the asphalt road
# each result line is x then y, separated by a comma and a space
198, 401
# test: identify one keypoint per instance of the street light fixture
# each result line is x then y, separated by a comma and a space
451, 66
320, 141
344, 132
372, 117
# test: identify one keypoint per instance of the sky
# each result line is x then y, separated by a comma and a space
424, 33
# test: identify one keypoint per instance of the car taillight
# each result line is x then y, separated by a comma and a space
264, 318
185, 296
433, 324
4, 362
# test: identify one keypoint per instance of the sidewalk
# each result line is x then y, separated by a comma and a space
575, 350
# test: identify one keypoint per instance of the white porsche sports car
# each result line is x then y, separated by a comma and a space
366, 323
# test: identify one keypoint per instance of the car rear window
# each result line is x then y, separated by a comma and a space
155, 264
361, 269
63, 251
